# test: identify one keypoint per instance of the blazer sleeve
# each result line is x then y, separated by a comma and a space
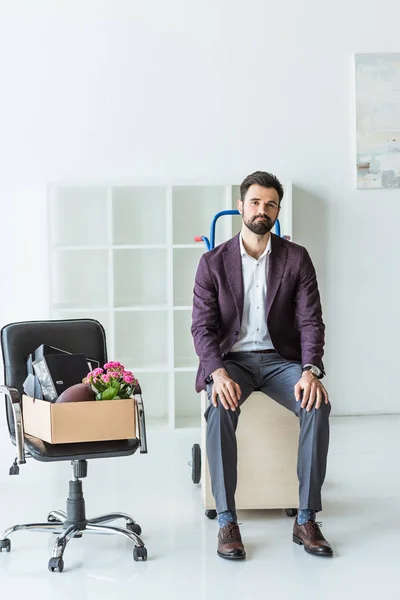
205, 319
309, 315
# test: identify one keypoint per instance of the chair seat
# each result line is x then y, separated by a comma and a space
46, 452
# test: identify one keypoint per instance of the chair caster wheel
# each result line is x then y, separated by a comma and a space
135, 527
139, 553
291, 512
211, 514
5, 545
196, 463
56, 564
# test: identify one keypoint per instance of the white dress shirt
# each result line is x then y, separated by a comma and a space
254, 334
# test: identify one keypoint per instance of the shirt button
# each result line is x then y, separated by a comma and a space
258, 329
258, 307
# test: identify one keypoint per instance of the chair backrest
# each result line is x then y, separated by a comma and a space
18, 340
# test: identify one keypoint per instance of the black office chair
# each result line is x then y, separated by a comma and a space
84, 336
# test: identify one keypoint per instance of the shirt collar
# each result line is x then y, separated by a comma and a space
267, 250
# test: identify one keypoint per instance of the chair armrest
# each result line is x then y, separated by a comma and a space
15, 400
141, 423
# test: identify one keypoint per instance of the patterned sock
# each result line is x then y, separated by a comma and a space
305, 515
228, 516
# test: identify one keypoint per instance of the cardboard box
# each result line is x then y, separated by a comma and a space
73, 422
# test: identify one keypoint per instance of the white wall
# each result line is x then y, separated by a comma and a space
214, 89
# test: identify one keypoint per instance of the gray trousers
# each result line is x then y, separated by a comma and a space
276, 377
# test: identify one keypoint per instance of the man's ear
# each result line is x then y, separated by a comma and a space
239, 205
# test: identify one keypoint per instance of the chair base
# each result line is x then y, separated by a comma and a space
57, 520
73, 524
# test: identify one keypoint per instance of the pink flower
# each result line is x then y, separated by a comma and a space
113, 365
128, 378
105, 378
113, 373
97, 372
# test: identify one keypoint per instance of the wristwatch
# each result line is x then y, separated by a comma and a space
314, 370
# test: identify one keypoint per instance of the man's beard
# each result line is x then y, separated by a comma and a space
259, 226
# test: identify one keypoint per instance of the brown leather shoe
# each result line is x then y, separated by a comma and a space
230, 542
309, 535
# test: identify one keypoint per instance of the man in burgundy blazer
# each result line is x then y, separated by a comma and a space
257, 324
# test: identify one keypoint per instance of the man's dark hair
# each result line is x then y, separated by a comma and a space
264, 179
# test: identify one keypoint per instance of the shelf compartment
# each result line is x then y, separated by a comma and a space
185, 267
80, 278
187, 401
153, 369
184, 353
79, 216
146, 308
155, 391
196, 245
141, 339
102, 316
139, 215
135, 285
193, 210
140, 247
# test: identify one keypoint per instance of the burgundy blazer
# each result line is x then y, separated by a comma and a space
292, 309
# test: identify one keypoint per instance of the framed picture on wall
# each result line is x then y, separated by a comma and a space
378, 120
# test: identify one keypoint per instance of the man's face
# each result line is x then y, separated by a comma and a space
260, 209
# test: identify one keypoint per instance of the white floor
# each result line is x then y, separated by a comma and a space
361, 520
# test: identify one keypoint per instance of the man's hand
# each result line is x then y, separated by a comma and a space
228, 391
313, 391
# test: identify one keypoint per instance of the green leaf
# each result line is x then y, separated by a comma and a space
109, 394
99, 386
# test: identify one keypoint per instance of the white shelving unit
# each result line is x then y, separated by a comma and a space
125, 255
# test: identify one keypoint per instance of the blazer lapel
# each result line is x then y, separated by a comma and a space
233, 268
276, 268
